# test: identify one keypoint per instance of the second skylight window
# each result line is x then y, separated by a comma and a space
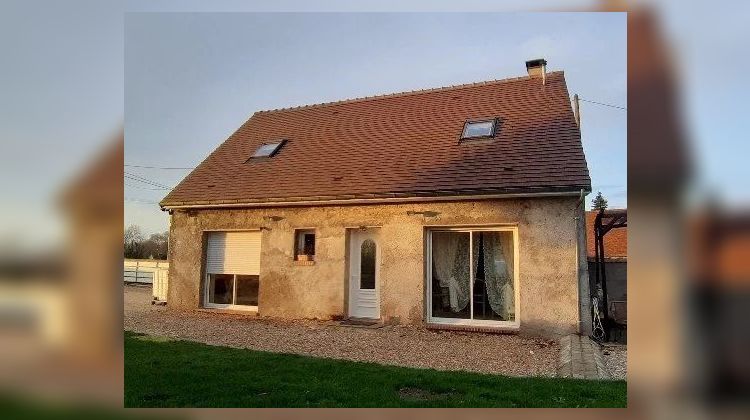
474, 129
268, 149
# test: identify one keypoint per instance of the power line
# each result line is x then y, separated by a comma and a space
143, 178
140, 178
603, 104
147, 182
157, 167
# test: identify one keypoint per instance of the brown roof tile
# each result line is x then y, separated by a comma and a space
400, 145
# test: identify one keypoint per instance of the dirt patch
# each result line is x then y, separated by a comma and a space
137, 297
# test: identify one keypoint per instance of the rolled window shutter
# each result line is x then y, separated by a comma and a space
233, 253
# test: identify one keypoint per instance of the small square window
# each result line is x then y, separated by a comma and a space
304, 245
474, 129
268, 149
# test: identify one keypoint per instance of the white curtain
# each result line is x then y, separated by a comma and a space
450, 253
498, 272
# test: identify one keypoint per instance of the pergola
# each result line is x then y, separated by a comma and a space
605, 221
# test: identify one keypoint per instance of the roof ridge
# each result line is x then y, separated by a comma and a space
403, 93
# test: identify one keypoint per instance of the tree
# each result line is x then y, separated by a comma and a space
599, 202
156, 246
136, 246
133, 242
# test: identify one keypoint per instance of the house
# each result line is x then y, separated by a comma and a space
455, 207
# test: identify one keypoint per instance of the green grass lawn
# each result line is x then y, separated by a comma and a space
162, 373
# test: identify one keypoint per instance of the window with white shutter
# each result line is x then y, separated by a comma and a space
232, 270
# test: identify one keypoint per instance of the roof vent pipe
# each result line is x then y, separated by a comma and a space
537, 68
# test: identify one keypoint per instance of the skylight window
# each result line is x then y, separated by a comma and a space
268, 149
474, 129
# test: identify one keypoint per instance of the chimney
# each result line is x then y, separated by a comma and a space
537, 68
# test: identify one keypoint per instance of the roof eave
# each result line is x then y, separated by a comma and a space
387, 198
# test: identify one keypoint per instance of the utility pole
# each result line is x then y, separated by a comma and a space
577, 110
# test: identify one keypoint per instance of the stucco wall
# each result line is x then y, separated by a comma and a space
547, 234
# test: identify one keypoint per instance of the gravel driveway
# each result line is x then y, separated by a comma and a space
616, 359
396, 345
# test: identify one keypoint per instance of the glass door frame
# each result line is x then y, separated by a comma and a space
516, 323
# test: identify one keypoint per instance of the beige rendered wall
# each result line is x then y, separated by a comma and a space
548, 270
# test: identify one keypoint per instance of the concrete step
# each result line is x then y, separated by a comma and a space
581, 358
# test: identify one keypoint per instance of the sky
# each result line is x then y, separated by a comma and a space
63, 91
192, 79
61, 99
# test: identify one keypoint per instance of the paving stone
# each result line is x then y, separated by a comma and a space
581, 358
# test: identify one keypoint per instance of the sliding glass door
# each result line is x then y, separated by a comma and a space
451, 275
472, 276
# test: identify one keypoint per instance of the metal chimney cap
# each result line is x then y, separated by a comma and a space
539, 62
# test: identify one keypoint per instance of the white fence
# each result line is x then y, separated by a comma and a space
153, 272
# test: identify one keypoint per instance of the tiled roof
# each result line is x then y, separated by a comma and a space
400, 145
615, 241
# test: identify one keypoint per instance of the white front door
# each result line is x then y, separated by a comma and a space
364, 273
